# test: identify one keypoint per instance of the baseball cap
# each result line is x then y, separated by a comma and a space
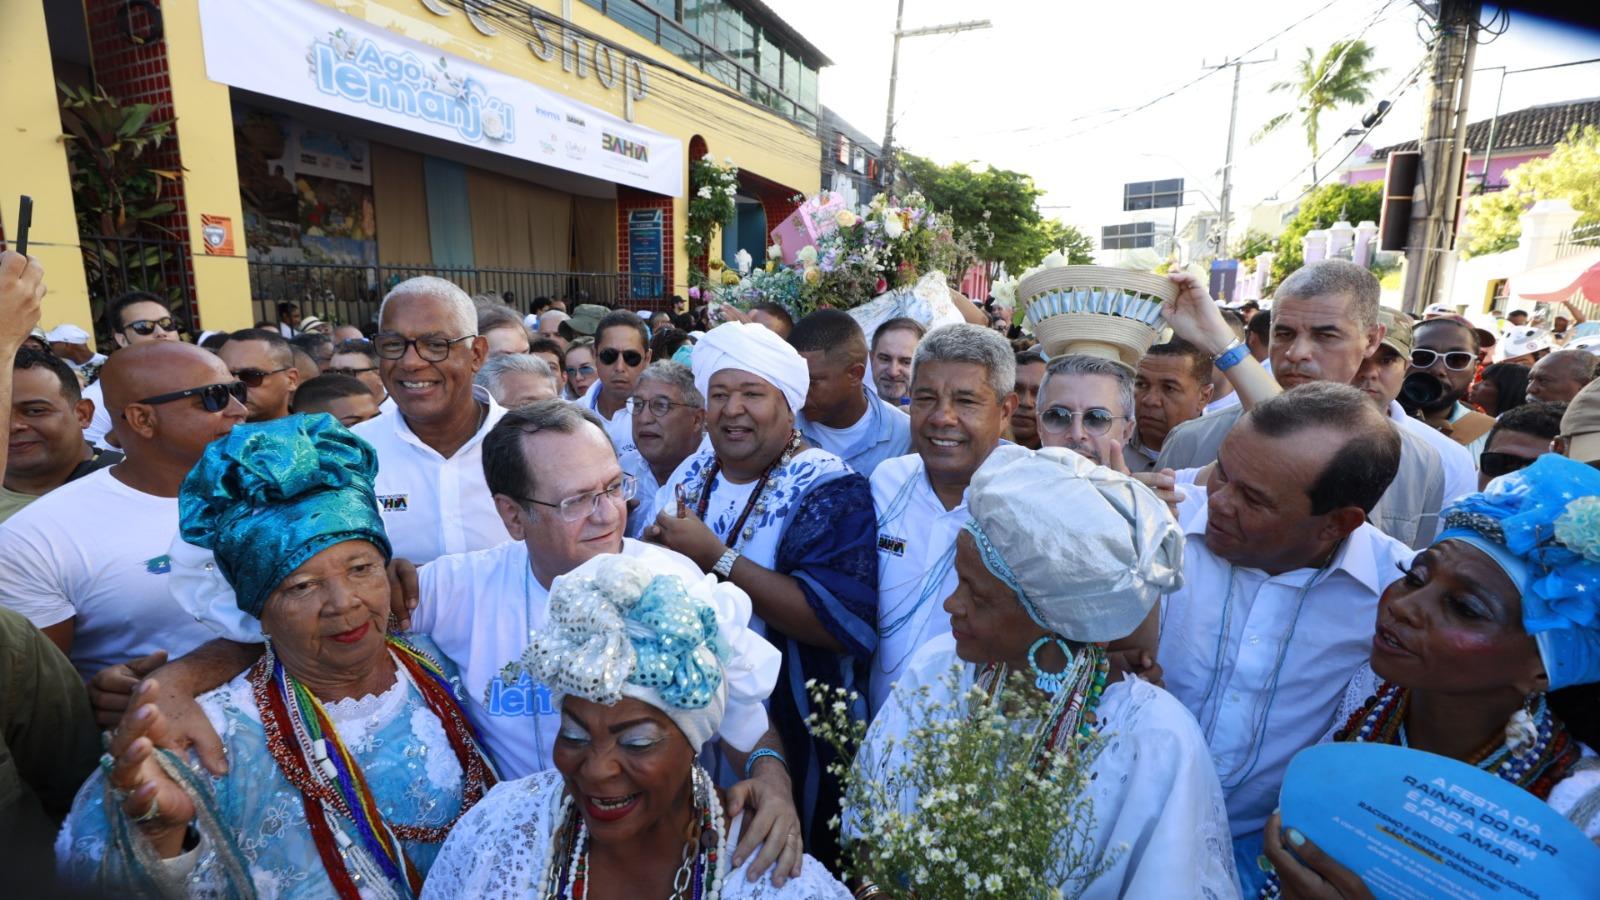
67, 334
1580, 425
1397, 330
1522, 340
586, 318
1438, 309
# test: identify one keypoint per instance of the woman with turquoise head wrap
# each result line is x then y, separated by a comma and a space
1486, 651
350, 759
634, 662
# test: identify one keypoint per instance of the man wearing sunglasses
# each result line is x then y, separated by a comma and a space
137, 317
264, 361
1520, 436
88, 563
356, 358
1086, 406
1447, 351
621, 351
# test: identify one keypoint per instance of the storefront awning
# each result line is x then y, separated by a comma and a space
1563, 279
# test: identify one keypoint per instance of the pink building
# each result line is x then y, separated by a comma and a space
1518, 137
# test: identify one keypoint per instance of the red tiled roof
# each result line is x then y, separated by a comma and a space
1536, 126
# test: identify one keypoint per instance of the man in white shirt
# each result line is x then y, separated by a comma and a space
894, 346
1446, 350
621, 351
87, 563
841, 416
669, 423
961, 400
139, 317
1381, 377
1281, 578
430, 461
71, 343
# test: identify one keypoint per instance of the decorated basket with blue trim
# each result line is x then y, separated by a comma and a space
1096, 310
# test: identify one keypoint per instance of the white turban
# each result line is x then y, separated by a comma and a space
1088, 550
758, 350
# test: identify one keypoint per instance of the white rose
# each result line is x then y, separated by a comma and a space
892, 226
775, 251
807, 254
1055, 260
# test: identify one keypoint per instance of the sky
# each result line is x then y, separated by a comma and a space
1048, 89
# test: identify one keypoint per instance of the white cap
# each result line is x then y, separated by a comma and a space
1522, 340
1438, 309
67, 334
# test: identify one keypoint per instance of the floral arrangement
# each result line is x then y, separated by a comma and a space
711, 189
960, 813
855, 257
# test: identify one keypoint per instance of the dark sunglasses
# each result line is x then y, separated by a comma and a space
1058, 419
1455, 360
1496, 464
609, 356
147, 327
214, 397
254, 377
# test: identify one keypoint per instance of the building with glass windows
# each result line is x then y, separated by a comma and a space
323, 150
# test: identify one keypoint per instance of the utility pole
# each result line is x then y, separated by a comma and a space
894, 75
1444, 130
1227, 165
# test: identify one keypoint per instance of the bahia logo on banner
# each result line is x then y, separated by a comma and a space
399, 82
624, 147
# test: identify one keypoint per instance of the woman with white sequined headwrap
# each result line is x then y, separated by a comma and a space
634, 660
1059, 557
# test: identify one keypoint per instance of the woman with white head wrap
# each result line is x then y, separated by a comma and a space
635, 662
1059, 557
790, 524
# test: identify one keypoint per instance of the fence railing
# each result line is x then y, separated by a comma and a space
1578, 240
350, 294
112, 266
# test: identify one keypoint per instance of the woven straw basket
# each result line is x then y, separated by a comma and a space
1124, 323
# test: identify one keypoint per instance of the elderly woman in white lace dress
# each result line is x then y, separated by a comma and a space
627, 812
1061, 555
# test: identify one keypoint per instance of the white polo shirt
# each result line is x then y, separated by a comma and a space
95, 550
619, 426
431, 505
1460, 466
1245, 619
916, 567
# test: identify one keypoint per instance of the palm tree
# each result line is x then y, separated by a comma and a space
1340, 78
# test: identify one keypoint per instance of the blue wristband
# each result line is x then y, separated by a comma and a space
1231, 357
750, 763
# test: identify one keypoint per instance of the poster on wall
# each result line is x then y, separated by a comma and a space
302, 51
644, 254
307, 193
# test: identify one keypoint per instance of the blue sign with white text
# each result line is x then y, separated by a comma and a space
644, 254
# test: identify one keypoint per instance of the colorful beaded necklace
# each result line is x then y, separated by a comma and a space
699, 877
1536, 767
310, 754
757, 501
1073, 709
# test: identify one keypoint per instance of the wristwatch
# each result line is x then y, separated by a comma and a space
724, 567
1231, 355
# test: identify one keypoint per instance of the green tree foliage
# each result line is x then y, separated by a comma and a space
1340, 77
996, 210
1252, 244
1320, 209
1571, 172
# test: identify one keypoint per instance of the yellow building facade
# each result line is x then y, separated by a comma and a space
331, 147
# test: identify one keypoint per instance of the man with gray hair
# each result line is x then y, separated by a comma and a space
517, 379
962, 395
669, 423
1086, 406
1324, 324
430, 482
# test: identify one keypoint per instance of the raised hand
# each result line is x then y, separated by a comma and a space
1194, 316
149, 796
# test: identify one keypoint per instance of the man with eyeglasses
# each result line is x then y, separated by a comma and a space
1447, 352
841, 416
137, 317
264, 361
88, 563
1521, 435
1086, 406
356, 358
430, 450
669, 423
1382, 377
621, 351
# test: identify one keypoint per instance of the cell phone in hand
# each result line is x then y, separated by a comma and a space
24, 222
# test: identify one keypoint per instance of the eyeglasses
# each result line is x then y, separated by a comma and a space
609, 356
1496, 464
584, 369
351, 372
581, 506
254, 377
147, 327
658, 406
431, 349
1096, 421
214, 397
1455, 360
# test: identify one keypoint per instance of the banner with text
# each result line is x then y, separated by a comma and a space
302, 51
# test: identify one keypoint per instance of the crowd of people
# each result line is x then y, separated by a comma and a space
480, 602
